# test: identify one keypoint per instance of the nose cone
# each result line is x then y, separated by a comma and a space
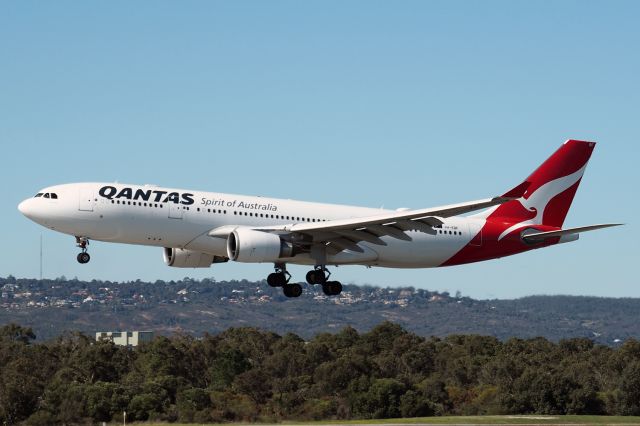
24, 207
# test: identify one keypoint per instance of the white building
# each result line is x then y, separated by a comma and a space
126, 338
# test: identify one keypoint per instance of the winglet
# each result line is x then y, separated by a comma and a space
518, 191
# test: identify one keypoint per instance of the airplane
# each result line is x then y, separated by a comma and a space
198, 229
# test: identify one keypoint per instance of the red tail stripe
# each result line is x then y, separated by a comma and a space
568, 159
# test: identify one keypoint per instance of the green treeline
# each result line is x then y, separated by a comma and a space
245, 374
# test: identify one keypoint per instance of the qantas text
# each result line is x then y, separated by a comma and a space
156, 196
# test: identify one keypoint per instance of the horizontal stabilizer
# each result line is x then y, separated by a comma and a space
541, 236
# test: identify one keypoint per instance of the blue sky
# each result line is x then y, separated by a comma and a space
394, 104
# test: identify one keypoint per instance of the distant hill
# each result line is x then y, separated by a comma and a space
196, 307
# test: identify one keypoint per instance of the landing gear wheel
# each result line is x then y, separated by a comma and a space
311, 277
277, 279
292, 290
82, 243
317, 276
332, 288
280, 277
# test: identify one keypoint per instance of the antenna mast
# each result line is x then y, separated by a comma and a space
40, 257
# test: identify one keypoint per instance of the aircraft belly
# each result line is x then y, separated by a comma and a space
423, 251
346, 257
149, 229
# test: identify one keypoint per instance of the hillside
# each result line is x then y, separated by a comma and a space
195, 307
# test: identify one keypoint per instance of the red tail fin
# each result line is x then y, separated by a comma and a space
551, 189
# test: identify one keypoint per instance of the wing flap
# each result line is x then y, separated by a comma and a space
346, 244
362, 236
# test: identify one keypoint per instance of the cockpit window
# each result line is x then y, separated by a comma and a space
51, 195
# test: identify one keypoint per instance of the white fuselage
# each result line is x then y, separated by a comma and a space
167, 217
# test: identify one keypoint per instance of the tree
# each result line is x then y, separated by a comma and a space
630, 390
14, 333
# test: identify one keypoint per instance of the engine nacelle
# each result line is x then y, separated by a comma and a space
248, 245
181, 258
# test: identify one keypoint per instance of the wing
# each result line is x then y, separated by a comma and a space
345, 234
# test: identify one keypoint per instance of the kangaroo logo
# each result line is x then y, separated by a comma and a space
537, 201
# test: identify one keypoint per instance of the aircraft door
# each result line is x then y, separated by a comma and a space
86, 200
175, 211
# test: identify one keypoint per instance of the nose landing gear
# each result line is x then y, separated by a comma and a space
82, 243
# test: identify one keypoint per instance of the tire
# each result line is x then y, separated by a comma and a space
295, 290
292, 290
281, 280
311, 277
332, 288
326, 289
274, 280
320, 276
83, 258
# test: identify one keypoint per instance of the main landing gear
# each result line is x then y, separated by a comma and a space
319, 275
280, 278
82, 243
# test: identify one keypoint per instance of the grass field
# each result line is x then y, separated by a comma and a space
468, 420
503, 420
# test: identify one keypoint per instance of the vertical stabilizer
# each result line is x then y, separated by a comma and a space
551, 189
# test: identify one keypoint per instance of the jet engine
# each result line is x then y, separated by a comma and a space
181, 258
248, 245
